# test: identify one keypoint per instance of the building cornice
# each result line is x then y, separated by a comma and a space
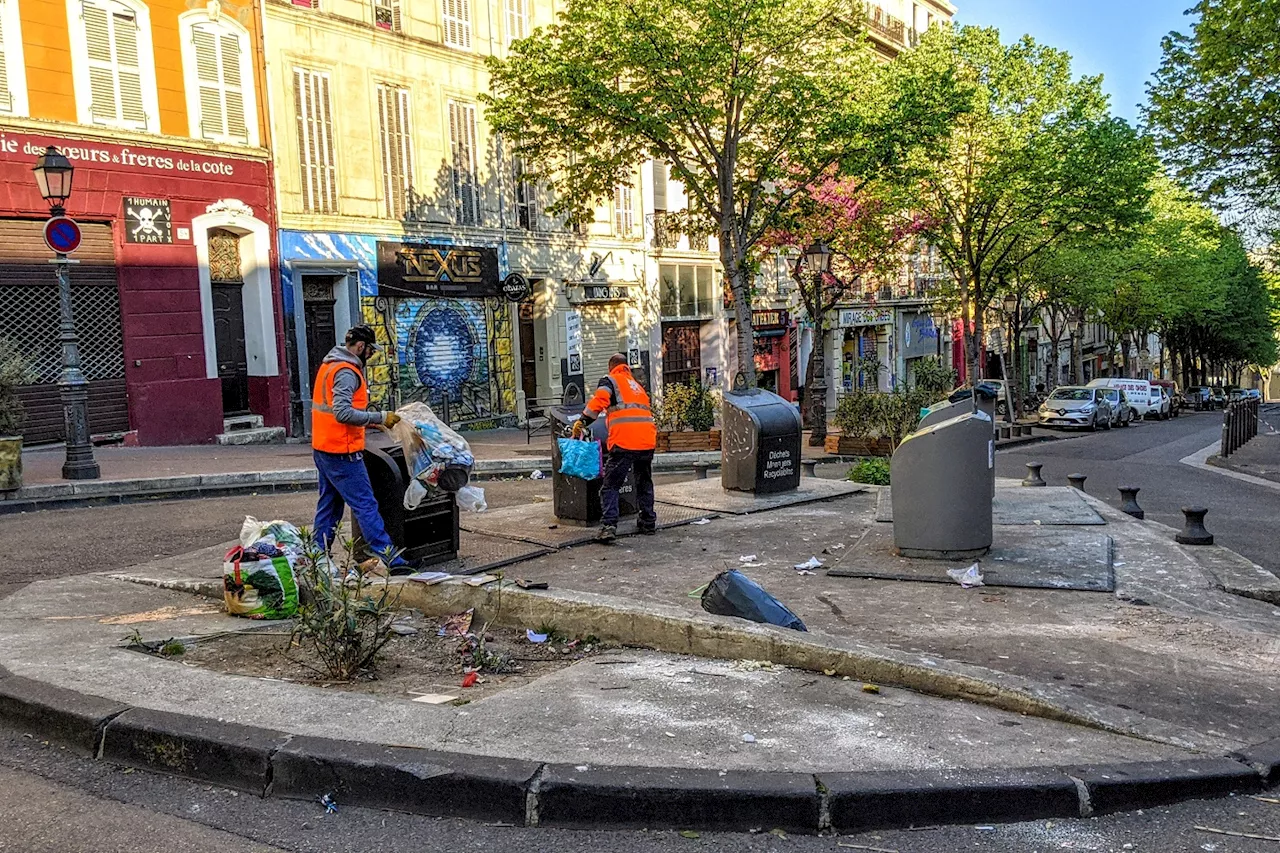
116, 136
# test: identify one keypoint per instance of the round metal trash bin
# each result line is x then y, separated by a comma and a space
577, 501
425, 535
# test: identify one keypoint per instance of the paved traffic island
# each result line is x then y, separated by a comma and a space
994, 703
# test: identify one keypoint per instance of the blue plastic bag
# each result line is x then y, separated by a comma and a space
732, 593
579, 459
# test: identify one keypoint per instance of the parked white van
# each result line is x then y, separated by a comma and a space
1137, 390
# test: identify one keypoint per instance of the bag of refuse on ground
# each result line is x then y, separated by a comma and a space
732, 593
579, 458
967, 578
471, 499
436, 455
259, 578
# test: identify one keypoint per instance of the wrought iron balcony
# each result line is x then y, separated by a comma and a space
885, 24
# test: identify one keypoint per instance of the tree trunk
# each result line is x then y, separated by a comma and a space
1125, 346
979, 339
1077, 351
735, 269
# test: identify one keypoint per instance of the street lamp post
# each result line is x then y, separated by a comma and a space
818, 259
53, 173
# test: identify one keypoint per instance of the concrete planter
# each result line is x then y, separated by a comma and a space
847, 445
10, 463
684, 442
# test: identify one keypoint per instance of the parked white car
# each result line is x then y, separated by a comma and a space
1137, 390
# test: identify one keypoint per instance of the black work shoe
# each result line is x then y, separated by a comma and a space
608, 533
646, 531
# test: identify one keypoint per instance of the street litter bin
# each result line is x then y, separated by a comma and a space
943, 489
759, 442
427, 534
961, 401
574, 500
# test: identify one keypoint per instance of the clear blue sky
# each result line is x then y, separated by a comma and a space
1119, 39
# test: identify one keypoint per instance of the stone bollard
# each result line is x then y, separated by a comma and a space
1193, 533
1129, 501
700, 470
808, 467
1076, 481
1033, 477
1004, 432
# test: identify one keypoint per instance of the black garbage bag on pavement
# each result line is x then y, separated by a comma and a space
732, 593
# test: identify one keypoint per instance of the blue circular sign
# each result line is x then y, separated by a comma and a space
62, 234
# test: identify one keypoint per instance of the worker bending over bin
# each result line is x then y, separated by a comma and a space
339, 415
632, 439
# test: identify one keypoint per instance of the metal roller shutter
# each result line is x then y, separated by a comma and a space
604, 332
29, 315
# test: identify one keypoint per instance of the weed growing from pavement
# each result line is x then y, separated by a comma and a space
346, 613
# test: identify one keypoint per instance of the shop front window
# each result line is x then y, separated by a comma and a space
687, 291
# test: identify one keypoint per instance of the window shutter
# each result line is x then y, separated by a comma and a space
397, 156
659, 186
102, 83
209, 81
315, 141
128, 68
233, 87
6, 97
517, 20
397, 22
462, 138
330, 171
456, 23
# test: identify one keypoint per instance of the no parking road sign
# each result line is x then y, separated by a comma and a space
62, 234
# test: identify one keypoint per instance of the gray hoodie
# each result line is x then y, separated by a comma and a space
345, 383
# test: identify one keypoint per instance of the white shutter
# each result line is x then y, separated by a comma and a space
219, 83
233, 87
115, 67
517, 20
456, 23
462, 138
315, 141
397, 150
6, 97
124, 27
623, 215
102, 66
659, 186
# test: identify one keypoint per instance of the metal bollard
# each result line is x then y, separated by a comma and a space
1004, 432
1076, 481
1129, 501
700, 470
1033, 477
1193, 532
808, 467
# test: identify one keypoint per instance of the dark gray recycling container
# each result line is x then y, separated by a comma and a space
759, 442
425, 535
943, 488
574, 500
958, 403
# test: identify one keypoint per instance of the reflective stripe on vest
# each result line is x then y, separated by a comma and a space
630, 421
327, 433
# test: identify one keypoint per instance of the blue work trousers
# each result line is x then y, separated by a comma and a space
345, 481
616, 467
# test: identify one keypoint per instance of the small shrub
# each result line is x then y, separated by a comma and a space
874, 471
15, 370
345, 619
689, 405
173, 649
855, 414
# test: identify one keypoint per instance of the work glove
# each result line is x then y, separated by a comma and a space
390, 419
579, 428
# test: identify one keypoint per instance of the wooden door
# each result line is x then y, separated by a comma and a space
228, 334
321, 335
528, 353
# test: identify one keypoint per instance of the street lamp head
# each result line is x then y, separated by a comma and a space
53, 176
1010, 303
818, 257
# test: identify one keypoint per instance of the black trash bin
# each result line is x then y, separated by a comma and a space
759, 443
427, 534
961, 402
574, 500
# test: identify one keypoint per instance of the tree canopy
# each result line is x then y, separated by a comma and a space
739, 97
1215, 101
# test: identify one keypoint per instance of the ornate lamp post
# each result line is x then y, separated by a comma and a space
818, 259
53, 175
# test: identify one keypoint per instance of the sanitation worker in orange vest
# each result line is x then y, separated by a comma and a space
632, 438
339, 415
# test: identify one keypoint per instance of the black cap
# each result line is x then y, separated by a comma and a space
363, 333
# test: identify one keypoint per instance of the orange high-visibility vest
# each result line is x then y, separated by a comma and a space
327, 434
628, 414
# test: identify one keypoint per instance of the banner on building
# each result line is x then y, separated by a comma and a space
573, 341
850, 317
430, 269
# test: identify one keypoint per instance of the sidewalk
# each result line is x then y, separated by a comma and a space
133, 473
1260, 457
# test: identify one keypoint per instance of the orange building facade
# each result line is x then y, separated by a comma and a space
161, 107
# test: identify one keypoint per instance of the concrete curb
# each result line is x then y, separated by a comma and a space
526, 793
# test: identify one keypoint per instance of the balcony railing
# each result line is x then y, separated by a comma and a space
887, 25
668, 228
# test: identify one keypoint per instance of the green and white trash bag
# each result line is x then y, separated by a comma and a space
259, 578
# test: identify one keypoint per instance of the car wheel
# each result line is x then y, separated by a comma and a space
1124, 422
1093, 424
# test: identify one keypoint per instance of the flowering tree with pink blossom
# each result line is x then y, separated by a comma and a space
868, 229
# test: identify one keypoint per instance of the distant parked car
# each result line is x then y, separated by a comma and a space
1252, 394
1219, 396
1122, 413
1170, 390
1199, 398
1137, 390
1076, 406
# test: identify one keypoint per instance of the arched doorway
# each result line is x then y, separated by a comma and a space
226, 279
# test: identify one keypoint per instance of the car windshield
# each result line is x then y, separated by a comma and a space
1073, 394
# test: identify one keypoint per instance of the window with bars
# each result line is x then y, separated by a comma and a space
386, 15
462, 140
396, 135
219, 55
624, 217
316, 155
517, 20
118, 73
526, 196
456, 23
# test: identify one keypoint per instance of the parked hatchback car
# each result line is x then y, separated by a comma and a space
1076, 406
1199, 398
1122, 412
1219, 396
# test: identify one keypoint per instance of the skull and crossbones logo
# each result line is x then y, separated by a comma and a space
149, 221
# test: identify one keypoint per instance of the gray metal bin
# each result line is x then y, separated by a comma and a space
576, 501
759, 443
961, 401
943, 489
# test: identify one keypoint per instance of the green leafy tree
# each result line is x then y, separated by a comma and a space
1215, 101
738, 96
1034, 161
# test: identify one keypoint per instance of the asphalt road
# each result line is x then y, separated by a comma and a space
1242, 516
